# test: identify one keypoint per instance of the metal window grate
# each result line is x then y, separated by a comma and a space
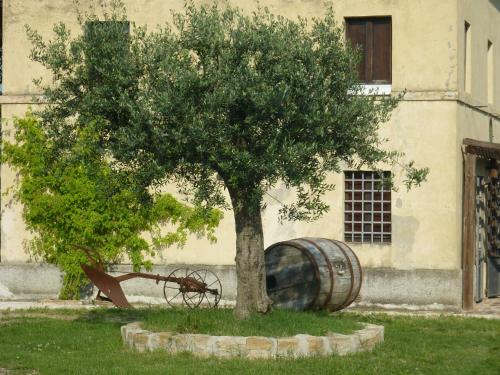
367, 208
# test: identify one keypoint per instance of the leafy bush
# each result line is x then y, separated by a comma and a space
76, 195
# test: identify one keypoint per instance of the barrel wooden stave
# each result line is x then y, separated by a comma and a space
356, 271
342, 275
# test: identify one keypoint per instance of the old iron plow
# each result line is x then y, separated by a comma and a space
195, 287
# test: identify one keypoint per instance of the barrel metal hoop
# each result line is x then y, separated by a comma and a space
340, 245
311, 258
330, 269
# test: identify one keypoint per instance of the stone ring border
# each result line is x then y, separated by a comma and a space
253, 347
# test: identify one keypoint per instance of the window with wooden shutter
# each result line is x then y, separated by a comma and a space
373, 37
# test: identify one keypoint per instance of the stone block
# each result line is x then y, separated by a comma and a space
141, 341
370, 336
130, 331
230, 346
179, 343
153, 342
303, 346
287, 347
343, 344
164, 340
378, 330
316, 346
141, 338
123, 331
199, 344
259, 343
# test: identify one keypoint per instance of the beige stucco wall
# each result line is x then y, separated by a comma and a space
426, 220
484, 19
12, 229
424, 34
423, 219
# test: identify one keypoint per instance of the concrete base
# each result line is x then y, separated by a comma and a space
380, 285
412, 287
29, 281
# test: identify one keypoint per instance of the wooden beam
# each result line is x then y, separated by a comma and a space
469, 231
484, 149
487, 145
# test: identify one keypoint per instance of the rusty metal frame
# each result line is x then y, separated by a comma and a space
110, 285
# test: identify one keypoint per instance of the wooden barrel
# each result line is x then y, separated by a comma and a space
312, 273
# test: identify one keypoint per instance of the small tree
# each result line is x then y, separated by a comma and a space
75, 198
224, 101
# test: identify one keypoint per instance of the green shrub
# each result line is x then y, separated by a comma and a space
74, 194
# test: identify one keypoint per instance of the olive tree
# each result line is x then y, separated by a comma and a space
224, 102
241, 103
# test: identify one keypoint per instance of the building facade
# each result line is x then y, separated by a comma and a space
416, 247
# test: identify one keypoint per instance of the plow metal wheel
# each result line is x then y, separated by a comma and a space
195, 288
213, 286
193, 296
172, 290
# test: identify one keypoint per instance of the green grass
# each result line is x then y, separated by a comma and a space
222, 322
91, 344
209, 321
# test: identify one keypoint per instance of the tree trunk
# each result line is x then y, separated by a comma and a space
250, 266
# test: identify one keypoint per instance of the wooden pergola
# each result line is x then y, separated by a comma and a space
472, 150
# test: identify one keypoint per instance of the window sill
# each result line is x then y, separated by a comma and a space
373, 89
367, 243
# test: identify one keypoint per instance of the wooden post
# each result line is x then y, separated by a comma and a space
469, 231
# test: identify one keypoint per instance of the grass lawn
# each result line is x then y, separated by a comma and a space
89, 342
222, 322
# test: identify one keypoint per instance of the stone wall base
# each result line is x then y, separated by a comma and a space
380, 285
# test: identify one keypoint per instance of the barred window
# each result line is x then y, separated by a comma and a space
367, 208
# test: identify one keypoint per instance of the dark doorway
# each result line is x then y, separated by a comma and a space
492, 198
481, 222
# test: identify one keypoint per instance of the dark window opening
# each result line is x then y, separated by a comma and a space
373, 38
467, 58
